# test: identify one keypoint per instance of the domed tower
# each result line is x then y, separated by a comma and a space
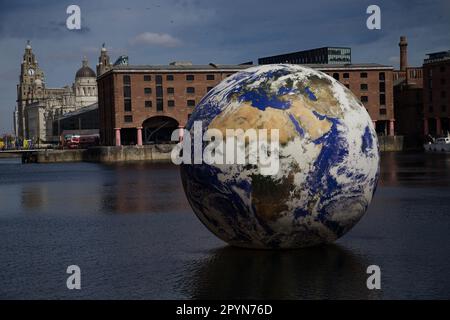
103, 62
85, 86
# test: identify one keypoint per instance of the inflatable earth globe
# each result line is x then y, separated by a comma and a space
328, 160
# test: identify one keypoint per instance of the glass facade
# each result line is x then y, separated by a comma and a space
339, 55
326, 55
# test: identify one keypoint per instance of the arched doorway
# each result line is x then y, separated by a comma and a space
158, 129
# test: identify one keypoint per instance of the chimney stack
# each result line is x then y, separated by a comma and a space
403, 44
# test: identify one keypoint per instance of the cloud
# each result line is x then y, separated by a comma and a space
157, 39
394, 59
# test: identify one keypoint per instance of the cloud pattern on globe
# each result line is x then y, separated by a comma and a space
328, 167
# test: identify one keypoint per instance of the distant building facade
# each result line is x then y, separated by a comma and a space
436, 93
81, 120
144, 104
372, 84
408, 99
38, 106
325, 55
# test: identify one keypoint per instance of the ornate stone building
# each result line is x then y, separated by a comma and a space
38, 106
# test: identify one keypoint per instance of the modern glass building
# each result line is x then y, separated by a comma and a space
325, 55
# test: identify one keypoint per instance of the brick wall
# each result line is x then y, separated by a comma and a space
373, 105
436, 97
113, 113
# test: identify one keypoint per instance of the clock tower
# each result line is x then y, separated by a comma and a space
30, 88
103, 62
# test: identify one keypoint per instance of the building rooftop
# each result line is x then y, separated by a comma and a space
355, 66
335, 55
302, 51
177, 67
181, 63
182, 67
232, 67
437, 56
90, 107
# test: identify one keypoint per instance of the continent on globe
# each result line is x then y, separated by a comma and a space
328, 160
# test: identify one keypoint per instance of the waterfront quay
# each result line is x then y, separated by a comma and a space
157, 152
153, 152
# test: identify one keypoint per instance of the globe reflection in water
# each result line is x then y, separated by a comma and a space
322, 272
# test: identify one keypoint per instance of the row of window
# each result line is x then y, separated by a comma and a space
346, 75
430, 71
169, 90
382, 111
382, 98
169, 77
365, 86
170, 103
126, 95
159, 104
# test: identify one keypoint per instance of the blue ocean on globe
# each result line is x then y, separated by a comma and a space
328, 160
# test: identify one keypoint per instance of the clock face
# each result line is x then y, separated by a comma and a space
30, 71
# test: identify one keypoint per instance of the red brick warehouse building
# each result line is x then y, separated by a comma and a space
371, 83
436, 93
144, 104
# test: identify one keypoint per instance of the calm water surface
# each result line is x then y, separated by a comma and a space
133, 234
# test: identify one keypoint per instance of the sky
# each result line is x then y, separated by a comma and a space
204, 31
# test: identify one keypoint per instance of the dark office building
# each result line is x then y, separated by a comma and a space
326, 55
84, 119
436, 93
408, 100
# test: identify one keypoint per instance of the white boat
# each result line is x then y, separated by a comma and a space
438, 145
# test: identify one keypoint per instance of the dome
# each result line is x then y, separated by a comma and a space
85, 71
